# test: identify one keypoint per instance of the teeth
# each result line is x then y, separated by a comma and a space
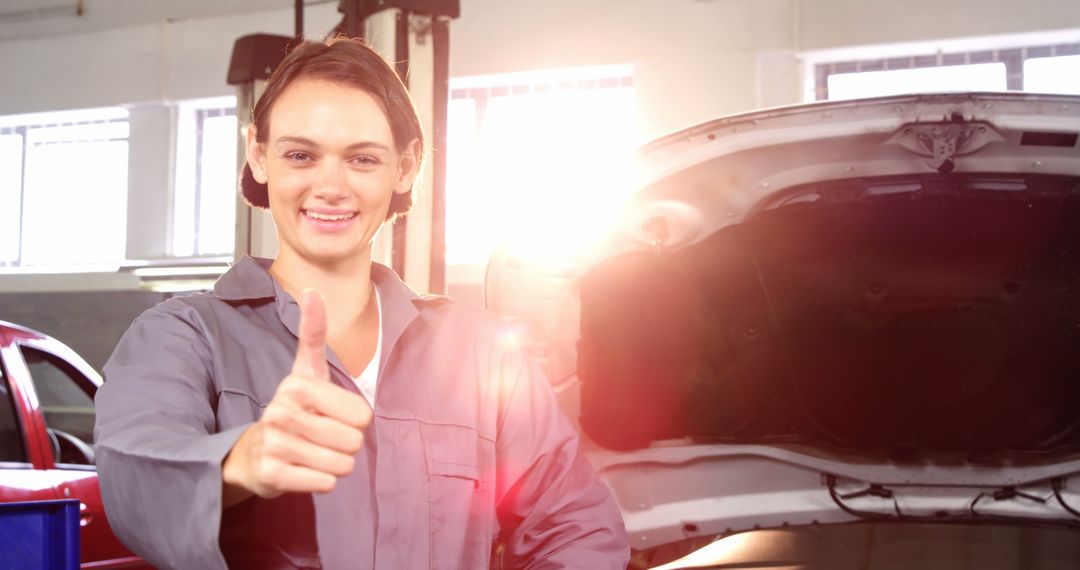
329, 217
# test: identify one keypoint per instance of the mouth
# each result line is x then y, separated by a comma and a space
328, 220
328, 216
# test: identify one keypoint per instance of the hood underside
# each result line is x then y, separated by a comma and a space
902, 315
699, 180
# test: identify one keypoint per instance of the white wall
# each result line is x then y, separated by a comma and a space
694, 59
165, 60
836, 23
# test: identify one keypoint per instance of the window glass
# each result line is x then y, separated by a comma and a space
1053, 74
464, 246
204, 211
11, 157
11, 439
184, 186
533, 161
979, 77
75, 204
63, 201
217, 185
67, 402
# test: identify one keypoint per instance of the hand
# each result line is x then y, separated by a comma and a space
310, 431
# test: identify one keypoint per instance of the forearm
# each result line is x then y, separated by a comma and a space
555, 511
164, 499
562, 516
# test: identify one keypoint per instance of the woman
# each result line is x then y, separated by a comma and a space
371, 428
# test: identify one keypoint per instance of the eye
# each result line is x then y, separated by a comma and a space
298, 156
365, 160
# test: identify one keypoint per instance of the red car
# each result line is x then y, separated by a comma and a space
47, 436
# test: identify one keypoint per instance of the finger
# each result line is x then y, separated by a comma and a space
332, 434
294, 450
278, 477
328, 399
315, 427
311, 349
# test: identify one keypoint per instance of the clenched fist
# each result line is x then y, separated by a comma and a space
310, 431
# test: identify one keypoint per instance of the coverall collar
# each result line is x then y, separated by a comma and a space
249, 279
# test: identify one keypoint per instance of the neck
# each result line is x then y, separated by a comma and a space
345, 284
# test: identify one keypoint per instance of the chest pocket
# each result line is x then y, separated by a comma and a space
246, 383
460, 466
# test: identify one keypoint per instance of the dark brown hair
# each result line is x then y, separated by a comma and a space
346, 61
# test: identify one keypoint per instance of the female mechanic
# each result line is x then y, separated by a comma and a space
314, 412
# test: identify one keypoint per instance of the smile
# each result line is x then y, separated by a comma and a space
333, 221
322, 217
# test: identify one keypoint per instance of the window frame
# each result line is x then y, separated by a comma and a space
1012, 57
24, 399
17, 397
73, 372
19, 130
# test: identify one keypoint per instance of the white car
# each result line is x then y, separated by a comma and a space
836, 335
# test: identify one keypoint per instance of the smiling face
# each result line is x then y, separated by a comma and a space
331, 166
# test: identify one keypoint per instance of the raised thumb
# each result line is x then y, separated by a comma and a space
311, 349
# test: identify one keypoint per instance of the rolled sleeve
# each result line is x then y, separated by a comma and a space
159, 453
554, 511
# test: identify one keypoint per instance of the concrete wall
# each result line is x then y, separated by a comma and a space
91, 323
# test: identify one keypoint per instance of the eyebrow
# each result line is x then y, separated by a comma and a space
354, 146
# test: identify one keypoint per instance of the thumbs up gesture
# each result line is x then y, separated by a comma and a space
310, 431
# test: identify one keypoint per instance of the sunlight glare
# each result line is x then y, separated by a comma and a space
541, 171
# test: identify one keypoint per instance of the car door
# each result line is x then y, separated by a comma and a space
21, 463
62, 390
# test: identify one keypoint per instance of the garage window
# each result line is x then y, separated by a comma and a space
1044, 69
204, 209
976, 77
63, 190
532, 158
1060, 74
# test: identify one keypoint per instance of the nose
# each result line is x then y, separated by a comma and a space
330, 182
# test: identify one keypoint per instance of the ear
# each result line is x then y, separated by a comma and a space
256, 155
408, 166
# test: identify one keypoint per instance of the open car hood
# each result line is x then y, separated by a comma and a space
829, 312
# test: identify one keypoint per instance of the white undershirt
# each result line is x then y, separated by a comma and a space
367, 379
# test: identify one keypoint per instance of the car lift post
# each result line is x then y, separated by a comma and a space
414, 35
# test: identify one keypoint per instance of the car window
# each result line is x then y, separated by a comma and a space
11, 439
68, 405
